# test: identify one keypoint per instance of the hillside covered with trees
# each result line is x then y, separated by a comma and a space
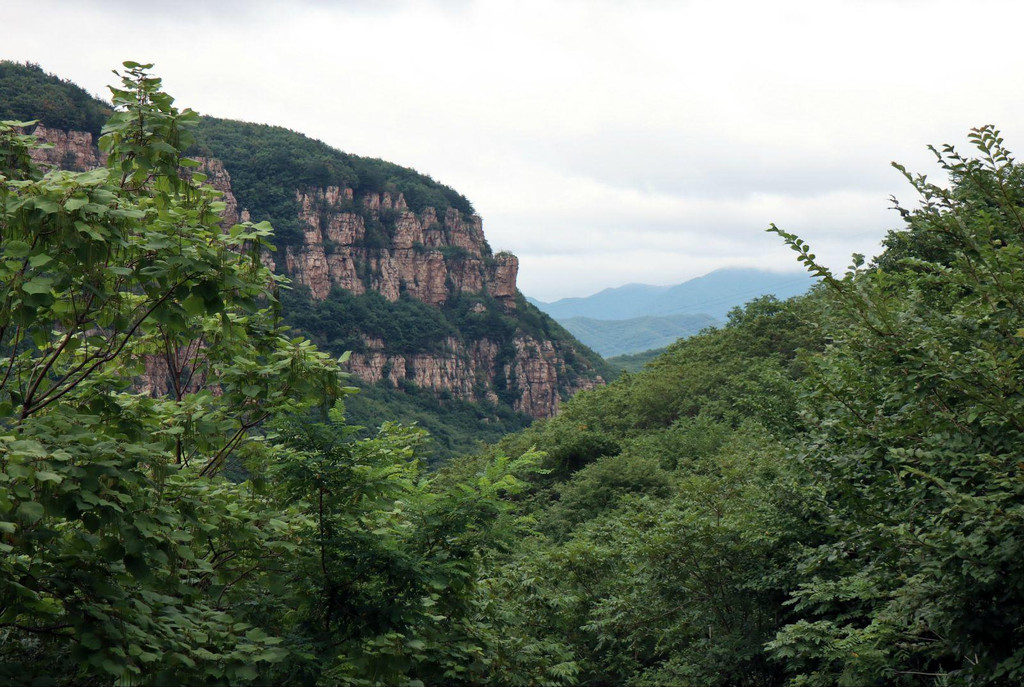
825, 491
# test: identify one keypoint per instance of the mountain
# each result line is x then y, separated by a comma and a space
618, 303
713, 294
640, 317
616, 337
385, 263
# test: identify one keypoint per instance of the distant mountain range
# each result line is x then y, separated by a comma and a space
615, 337
639, 317
714, 294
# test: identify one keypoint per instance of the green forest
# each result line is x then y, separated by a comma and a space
824, 491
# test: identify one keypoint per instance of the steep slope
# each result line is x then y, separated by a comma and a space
386, 263
395, 267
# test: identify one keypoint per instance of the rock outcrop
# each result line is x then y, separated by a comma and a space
72, 150
375, 242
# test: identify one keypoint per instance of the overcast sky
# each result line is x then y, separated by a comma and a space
602, 141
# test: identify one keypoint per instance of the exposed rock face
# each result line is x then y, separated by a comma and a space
537, 375
376, 242
218, 177
432, 259
73, 150
427, 258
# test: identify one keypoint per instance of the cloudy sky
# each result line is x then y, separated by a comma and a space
602, 141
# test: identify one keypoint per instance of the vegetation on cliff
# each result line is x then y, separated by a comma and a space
28, 93
268, 163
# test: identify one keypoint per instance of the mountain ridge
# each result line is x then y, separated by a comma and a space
713, 294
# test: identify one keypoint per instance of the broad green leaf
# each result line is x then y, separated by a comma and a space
30, 511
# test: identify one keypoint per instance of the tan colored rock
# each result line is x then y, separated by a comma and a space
341, 268
345, 228
502, 282
71, 150
309, 266
468, 274
428, 273
465, 233
408, 230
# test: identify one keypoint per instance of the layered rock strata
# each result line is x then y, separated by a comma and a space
431, 258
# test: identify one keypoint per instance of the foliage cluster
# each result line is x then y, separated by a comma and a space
454, 426
28, 93
340, 322
825, 491
666, 528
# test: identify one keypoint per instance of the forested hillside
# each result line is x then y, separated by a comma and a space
825, 491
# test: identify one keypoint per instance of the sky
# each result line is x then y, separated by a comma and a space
604, 142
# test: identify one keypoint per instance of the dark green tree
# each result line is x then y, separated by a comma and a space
122, 550
916, 418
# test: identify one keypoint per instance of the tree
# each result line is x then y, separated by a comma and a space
122, 549
916, 418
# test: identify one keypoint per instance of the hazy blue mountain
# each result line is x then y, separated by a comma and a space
713, 294
617, 303
615, 337
720, 291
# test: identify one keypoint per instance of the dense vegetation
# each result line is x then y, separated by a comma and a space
825, 491
28, 93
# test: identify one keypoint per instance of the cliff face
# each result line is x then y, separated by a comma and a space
73, 150
375, 242
427, 257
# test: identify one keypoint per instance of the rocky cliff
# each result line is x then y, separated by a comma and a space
73, 150
373, 242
